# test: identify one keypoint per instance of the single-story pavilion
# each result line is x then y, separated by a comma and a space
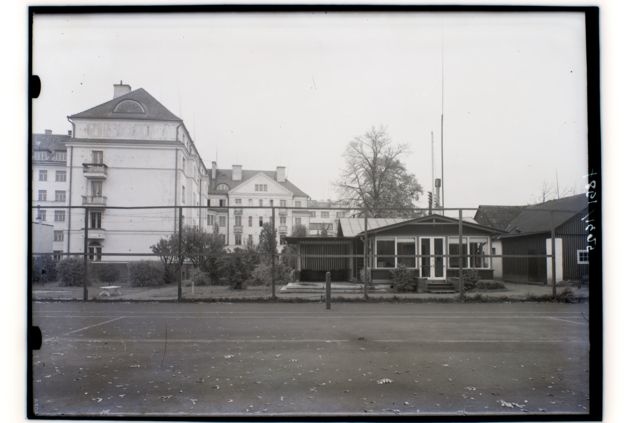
429, 245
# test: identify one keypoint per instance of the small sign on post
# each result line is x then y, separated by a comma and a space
327, 289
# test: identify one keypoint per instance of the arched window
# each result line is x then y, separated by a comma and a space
128, 106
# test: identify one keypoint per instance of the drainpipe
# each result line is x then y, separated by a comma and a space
69, 202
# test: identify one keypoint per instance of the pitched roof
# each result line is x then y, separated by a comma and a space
137, 104
352, 226
497, 217
49, 142
538, 217
223, 176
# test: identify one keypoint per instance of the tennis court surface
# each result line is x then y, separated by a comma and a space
208, 359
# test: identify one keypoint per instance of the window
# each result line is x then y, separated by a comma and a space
406, 247
313, 214
223, 238
261, 187
208, 202
183, 194
238, 239
281, 238
324, 214
298, 221
478, 248
211, 219
42, 195
96, 188
95, 251
260, 202
260, 221
583, 256
57, 255
250, 222
42, 175
385, 250
250, 240
283, 220
283, 203
222, 221
222, 203
59, 215
454, 251
61, 176
96, 157
60, 156
238, 220
58, 235
61, 196
270, 203
222, 187
95, 220
238, 201
42, 215
41, 155
298, 204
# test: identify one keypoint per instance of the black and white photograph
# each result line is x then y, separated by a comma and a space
314, 211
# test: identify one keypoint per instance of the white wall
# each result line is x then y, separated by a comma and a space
126, 129
496, 262
559, 271
41, 237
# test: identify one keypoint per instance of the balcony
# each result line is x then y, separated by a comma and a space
96, 234
94, 170
237, 212
237, 229
94, 200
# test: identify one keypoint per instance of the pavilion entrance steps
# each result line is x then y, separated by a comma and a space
436, 286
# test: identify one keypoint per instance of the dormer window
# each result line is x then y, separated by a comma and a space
128, 106
222, 187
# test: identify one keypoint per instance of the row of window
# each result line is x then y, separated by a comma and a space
59, 156
326, 214
261, 203
58, 215
476, 250
61, 175
60, 196
222, 220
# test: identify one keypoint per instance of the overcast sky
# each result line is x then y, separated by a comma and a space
293, 89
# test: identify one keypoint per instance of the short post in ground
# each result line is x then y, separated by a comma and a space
327, 290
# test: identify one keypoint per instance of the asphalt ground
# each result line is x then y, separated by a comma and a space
217, 359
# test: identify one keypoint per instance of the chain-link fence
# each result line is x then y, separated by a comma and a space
249, 253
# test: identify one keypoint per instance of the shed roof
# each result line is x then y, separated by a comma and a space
539, 217
124, 107
352, 226
497, 217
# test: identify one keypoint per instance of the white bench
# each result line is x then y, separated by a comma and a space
110, 291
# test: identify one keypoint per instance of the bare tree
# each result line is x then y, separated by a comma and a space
374, 177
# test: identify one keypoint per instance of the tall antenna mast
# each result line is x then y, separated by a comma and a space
442, 121
433, 163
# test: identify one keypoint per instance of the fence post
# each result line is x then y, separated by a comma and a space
179, 253
553, 261
85, 291
365, 266
273, 253
460, 282
327, 289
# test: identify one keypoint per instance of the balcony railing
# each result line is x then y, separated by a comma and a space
94, 170
94, 200
237, 228
96, 233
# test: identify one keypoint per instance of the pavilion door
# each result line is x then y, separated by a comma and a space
432, 260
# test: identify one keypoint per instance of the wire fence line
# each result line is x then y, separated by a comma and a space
125, 234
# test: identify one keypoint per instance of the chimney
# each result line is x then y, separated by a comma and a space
280, 177
121, 89
48, 132
69, 133
236, 173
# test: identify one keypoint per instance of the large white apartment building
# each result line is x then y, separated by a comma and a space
131, 151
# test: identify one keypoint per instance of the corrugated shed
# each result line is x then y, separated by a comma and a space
353, 226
